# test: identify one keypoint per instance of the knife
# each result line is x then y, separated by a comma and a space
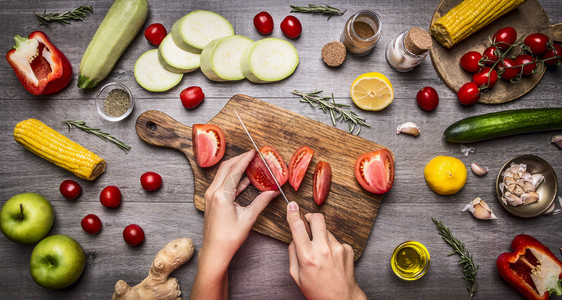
306, 225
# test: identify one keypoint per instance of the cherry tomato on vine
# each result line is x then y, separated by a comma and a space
133, 235
526, 60
509, 70
550, 53
91, 224
151, 181
468, 93
110, 196
263, 22
491, 55
470, 61
291, 27
427, 98
505, 37
192, 96
70, 189
485, 78
537, 43
155, 33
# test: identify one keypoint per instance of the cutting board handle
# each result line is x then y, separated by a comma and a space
159, 129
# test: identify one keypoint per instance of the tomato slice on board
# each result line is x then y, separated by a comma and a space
375, 171
208, 144
299, 164
258, 174
322, 182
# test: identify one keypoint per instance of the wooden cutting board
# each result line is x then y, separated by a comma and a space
349, 211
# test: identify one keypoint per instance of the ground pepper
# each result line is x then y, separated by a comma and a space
117, 102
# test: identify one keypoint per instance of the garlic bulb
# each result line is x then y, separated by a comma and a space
519, 186
409, 128
480, 209
478, 170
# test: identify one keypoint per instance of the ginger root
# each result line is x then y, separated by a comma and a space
158, 285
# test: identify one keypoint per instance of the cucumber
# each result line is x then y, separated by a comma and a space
268, 60
150, 74
220, 59
504, 123
175, 59
198, 28
119, 27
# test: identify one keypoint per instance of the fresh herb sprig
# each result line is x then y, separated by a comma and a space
328, 104
469, 269
323, 9
78, 14
102, 135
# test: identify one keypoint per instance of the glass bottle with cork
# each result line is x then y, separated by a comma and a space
408, 49
362, 31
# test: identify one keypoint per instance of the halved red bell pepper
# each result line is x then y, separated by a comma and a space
40, 66
531, 268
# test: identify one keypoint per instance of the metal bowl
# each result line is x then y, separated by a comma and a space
547, 190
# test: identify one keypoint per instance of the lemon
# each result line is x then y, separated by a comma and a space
445, 175
372, 91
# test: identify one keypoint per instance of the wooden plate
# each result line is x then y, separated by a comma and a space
528, 18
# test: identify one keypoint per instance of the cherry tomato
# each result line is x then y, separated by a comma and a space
322, 182
110, 196
298, 165
258, 174
155, 33
427, 98
468, 93
192, 96
526, 60
491, 55
470, 61
505, 37
536, 42
70, 189
375, 171
133, 235
151, 181
208, 144
485, 78
550, 53
91, 224
509, 70
263, 22
291, 27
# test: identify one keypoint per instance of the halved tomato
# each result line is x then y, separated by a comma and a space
375, 171
208, 144
258, 174
322, 182
298, 166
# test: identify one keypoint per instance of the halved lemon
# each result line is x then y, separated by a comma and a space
372, 91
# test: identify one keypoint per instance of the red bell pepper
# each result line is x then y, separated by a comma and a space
41, 67
531, 268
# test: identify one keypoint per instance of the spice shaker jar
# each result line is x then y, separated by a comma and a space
362, 31
408, 49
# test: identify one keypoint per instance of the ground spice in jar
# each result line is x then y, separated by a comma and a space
116, 103
334, 53
363, 29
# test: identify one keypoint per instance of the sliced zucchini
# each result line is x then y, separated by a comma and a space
220, 60
175, 59
150, 74
198, 28
269, 60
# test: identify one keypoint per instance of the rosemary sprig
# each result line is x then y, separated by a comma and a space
78, 14
102, 135
328, 104
323, 9
469, 269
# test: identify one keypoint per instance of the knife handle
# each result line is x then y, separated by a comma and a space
306, 225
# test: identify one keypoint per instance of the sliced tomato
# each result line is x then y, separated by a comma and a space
299, 164
259, 175
322, 182
208, 144
375, 171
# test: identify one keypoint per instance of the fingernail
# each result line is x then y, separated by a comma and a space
293, 206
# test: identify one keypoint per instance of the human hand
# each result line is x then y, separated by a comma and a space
322, 267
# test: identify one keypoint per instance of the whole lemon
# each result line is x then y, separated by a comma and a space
445, 175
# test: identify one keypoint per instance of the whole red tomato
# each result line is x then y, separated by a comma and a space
155, 33
468, 93
192, 96
491, 55
263, 22
526, 61
470, 61
133, 235
91, 224
505, 37
70, 189
485, 78
151, 181
509, 69
537, 43
427, 98
550, 53
291, 27
110, 196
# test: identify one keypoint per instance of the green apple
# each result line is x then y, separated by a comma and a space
26, 218
57, 261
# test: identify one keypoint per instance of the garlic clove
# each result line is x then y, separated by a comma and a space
530, 197
518, 190
480, 209
511, 187
512, 199
537, 180
409, 128
509, 180
478, 170
557, 140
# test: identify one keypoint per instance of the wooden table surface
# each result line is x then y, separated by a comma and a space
260, 270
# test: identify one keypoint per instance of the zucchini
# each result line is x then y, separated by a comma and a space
220, 59
175, 59
504, 123
198, 28
150, 74
269, 60
119, 27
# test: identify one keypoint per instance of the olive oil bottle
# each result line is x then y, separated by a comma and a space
410, 260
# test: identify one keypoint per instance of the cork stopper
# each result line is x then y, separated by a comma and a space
417, 41
333, 53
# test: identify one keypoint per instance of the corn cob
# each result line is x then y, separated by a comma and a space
47, 143
468, 17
